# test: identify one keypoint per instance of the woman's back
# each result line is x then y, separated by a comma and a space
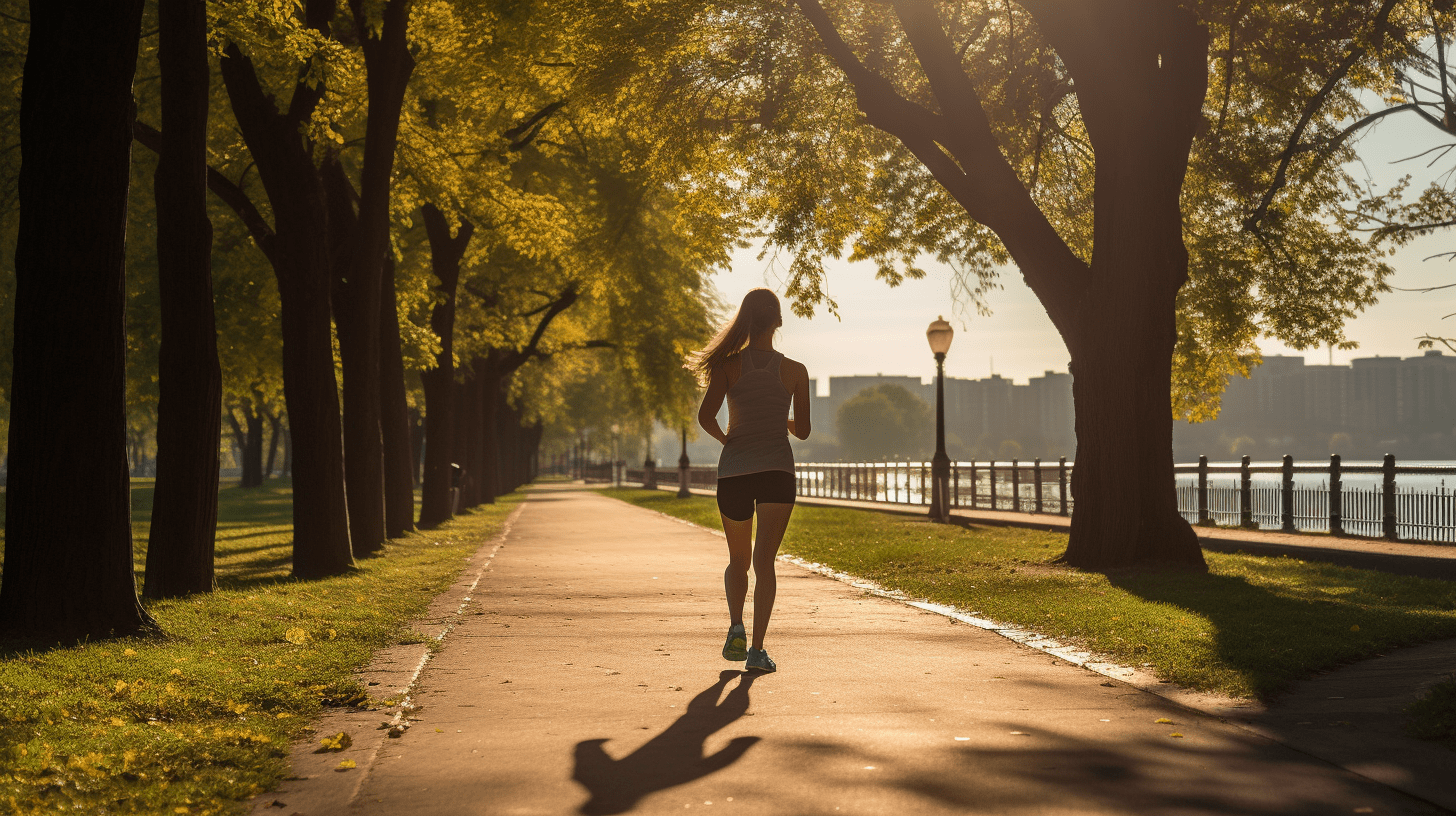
758, 413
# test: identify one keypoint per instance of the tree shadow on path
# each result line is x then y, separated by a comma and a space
672, 758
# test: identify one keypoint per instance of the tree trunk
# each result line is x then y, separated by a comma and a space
301, 264
1123, 483
468, 451
248, 441
489, 384
417, 444
439, 382
189, 411
1123, 333
388, 65
68, 557
399, 480
287, 469
274, 426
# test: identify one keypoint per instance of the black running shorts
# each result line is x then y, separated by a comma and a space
737, 494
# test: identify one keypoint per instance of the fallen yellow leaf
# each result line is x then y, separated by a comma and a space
337, 742
347, 764
1355, 628
1163, 721
1176, 734
129, 652
296, 636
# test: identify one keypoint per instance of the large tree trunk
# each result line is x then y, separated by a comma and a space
68, 574
189, 411
388, 65
301, 264
399, 478
439, 382
1123, 333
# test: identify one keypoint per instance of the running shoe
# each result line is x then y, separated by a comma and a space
759, 661
736, 648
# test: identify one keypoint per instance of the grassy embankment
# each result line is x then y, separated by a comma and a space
1249, 628
200, 718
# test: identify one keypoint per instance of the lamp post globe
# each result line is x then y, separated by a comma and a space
939, 336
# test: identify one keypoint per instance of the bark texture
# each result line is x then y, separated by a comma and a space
68, 574
300, 256
189, 379
388, 65
394, 415
439, 382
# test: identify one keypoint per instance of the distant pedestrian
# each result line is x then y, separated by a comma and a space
756, 469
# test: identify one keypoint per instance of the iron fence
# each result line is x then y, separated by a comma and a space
1252, 500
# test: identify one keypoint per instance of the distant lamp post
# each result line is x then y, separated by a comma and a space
939, 334
616, 456
649, 465
682, 467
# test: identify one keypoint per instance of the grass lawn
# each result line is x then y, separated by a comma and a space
1249, 628
199, 719
1433, 717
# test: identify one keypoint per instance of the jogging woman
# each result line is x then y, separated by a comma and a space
756, 469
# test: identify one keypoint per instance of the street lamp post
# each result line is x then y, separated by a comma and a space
616, 456
682, 467
939, 334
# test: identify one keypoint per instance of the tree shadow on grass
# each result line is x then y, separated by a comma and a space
674, 757
1314, 620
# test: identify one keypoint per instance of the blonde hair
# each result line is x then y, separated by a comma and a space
758, 313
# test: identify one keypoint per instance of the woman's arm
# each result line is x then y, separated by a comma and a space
712, 401
799, 424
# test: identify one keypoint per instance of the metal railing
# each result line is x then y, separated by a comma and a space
1386, 510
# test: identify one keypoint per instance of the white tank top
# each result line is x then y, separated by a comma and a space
758, 418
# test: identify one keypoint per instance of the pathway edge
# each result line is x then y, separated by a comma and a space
323, 793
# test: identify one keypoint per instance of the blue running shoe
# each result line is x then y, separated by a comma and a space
759, 661
736, 648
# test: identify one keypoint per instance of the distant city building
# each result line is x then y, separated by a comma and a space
1375, 405
980, 415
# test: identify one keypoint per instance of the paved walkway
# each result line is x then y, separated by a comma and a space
583, 677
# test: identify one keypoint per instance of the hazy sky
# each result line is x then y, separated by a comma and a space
882, 330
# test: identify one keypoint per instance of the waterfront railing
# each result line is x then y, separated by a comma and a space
1311, 498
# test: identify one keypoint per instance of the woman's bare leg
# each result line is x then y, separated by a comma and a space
740, 552
773, 519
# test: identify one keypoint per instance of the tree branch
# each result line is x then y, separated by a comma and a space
960, 151
226, 191
487, 299
1311, 107
526, 132
515, 359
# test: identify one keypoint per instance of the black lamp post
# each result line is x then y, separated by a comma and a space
616, 456
939, 334
682, 468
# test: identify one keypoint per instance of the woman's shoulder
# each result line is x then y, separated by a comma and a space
793, 365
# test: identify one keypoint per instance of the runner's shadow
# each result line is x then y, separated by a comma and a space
669, 759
